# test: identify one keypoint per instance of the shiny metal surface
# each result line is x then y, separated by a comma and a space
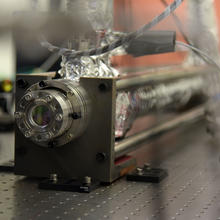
67, 114
156, 76
191, 190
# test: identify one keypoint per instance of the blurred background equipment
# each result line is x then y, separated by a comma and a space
6, 105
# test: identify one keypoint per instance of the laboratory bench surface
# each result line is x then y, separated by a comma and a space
191, 190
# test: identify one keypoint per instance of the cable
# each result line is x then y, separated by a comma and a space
178, 23
118, 43
180, 27
203, 54
216, 96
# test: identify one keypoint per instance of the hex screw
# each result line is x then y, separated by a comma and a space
28, 134
139, 171
87, 180
59, 117
71, 93
28, 97
49, 98
103, 87
100, 157
53, 178
147, 166
76, 115
17, 115
22, 84
42, 84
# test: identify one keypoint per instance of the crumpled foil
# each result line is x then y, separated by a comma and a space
132, 104
95, 66
99, 13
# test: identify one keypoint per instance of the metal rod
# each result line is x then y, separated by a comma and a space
133, 143
149, 78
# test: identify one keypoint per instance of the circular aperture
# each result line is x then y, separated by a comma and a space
41, 115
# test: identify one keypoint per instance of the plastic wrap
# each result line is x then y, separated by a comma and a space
132, 104
100, 14
95, 13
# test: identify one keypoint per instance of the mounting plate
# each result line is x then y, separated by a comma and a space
68, 185
149, 175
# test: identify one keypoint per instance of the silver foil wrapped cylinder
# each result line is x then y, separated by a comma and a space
140, 101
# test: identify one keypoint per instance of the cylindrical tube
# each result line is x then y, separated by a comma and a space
133, 143
156, 77
158, 96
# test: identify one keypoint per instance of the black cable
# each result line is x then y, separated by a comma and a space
181, 30
118, 43
178, 23
202, 54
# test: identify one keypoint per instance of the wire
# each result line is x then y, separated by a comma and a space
205, 56
178, 23
118, 43
210, 60
198, 52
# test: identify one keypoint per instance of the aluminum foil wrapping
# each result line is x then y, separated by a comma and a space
96, 66
132, 104
99, 14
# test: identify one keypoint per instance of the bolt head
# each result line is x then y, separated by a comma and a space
22, 84
17, 115
28, 134
54, 177
42, 84
100, 157
87, 180
147, 166
139, 171
76, 115
103, 87
70, 93
59, 117
49, 98
28, 97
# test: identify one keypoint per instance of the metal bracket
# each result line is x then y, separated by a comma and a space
147, 174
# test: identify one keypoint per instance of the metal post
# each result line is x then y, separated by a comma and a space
146, 78
133, 143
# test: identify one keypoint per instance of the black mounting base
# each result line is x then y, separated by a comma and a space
68, 185
149, 175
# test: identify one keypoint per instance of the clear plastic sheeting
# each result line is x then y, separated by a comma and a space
100, 14
132, 104
97, 66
